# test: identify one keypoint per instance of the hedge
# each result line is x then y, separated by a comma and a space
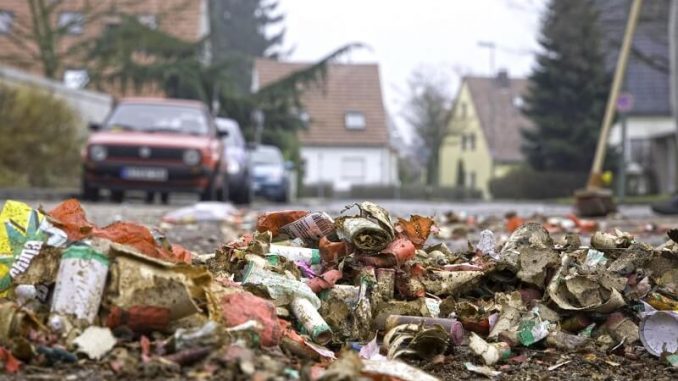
413, 192
39, 139
526, 183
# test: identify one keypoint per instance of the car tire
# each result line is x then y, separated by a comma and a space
211, 192
243, 195
89, 193
150, 197
117, 196
208, 194
164, 198
283, 197
223, 193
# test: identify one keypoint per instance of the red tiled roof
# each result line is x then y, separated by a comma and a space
500, 118
348, 87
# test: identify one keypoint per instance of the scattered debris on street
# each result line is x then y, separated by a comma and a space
304, 295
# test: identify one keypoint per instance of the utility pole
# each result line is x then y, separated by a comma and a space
492, 47
259, 119
673, 53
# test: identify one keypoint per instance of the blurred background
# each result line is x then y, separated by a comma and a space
430, 100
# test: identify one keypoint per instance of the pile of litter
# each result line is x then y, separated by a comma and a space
308, 296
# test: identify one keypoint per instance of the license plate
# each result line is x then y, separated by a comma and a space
149, 174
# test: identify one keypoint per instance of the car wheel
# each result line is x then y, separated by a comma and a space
117, 196
150, 196
283, 197
164, 198
209, 193
89, 193
242, 195
223, 193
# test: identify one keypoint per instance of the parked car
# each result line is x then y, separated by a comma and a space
270, 173
239, 173
156, 145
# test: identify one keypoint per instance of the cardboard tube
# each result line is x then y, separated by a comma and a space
311, 320
386, 283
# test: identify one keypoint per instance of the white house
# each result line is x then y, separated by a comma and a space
652, 152
347, 139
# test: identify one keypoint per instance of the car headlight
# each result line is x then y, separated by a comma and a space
192, 157
275, 177
98, 153
233, 167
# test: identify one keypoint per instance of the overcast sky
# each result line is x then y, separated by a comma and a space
408, 34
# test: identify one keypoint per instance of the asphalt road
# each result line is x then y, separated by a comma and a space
134, 209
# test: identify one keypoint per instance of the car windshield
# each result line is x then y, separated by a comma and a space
234, 137
158, 118
266, 156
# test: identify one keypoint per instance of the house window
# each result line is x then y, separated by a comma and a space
468, 142
472, 142
518, 102
6, 20
148, 20
353, 168
471, 180
355, 120
72, 22
305, 118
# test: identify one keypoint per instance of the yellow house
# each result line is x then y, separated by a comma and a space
484, 140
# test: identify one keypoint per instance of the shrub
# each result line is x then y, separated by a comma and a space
526, 183
412, 192
326, 190
39, 141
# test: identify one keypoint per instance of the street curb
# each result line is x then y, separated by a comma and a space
48, 194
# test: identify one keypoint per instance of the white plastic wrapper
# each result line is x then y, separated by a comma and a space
281, 288
433, 306
312, 227
487, 244
396, 369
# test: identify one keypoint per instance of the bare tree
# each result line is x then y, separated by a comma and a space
428, 111
40, 37
652, 26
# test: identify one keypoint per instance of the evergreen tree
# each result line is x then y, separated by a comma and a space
240, 26
241, 31
568, 89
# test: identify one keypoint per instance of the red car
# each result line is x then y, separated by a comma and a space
156, 145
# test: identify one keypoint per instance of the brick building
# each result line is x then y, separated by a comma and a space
81, 20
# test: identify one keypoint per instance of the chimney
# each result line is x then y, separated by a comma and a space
503, 78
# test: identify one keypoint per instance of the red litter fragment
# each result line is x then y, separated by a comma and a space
145, 345
72, 219
324, 281
140, 319
273, 221
241, 307
12, 365
402, 248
